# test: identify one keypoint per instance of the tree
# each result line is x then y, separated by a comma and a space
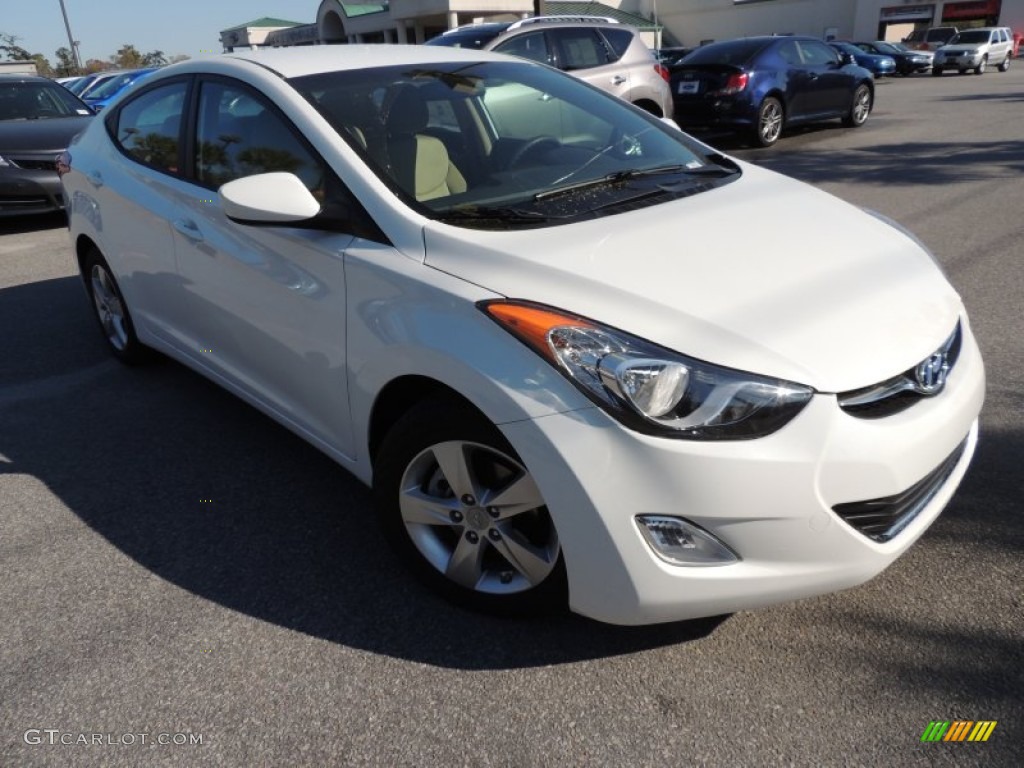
128, 57
42, 64
178, 57
65, 66
154, 59
10, 48
97, 65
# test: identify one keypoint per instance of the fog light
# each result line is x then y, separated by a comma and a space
679, 542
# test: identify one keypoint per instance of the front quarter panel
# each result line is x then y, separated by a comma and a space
408, 319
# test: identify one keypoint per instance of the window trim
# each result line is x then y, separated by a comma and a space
111, 120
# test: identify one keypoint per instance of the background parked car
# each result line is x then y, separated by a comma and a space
759, 85
608, 55
930, 39
878, 65
38, 118
89, 82
975, 49
908, 61
99, 97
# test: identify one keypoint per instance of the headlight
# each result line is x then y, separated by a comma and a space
649, 388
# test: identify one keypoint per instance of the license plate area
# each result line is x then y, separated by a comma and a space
688, 87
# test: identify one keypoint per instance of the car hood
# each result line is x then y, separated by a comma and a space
766, 274
46, 135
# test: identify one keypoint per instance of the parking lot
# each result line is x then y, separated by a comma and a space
174, 564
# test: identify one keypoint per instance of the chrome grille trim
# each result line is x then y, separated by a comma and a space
902, 391
884, 519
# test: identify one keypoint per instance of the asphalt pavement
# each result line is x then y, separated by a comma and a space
183, 582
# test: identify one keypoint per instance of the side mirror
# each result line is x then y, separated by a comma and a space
845, 58
268, 198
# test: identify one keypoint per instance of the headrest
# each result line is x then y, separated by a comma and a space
405, 110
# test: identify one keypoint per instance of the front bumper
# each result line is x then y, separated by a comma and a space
770, 500
960, 62
29, 190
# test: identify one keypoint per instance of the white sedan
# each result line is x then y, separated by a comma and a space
580, 357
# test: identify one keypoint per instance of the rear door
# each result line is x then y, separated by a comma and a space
581, 51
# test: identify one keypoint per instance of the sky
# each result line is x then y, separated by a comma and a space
190, 27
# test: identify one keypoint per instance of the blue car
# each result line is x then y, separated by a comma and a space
757, 86
105, 93
878, 65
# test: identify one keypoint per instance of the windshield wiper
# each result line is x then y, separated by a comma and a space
618, 177
483, 214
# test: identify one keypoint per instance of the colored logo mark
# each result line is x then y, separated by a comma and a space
959, 730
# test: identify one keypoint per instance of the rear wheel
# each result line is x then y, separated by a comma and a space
110, 309
464, 514
770, 117
980, 69
1006, 64
860, 107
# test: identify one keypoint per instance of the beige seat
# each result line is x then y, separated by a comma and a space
418, 162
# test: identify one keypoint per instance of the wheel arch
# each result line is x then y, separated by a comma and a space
649, 105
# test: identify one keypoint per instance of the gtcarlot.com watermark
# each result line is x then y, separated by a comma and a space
55, 737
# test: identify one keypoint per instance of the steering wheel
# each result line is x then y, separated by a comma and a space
536, 144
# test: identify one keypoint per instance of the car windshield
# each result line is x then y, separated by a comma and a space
848, 48
474, 37
737, 52
507, 144
38, 101
970, 37
112, 86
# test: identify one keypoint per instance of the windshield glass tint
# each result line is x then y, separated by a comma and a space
736, 52
500, 137
475, 37
111, 86
36, 101
970, 38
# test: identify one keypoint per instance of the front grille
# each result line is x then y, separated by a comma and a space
883, 519
35, 165
900, 392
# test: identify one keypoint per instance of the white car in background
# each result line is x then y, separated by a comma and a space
578, 355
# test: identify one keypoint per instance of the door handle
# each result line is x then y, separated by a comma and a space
188, 228
94, 178
618, 79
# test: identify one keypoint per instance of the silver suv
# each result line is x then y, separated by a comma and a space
975, 49
605, 53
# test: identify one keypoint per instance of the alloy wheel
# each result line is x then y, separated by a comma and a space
109, 307
476, 515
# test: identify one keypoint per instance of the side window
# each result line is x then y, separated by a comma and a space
818, 54
790, 54
238, 135
580, 49
148, 128
532, 46
618, 41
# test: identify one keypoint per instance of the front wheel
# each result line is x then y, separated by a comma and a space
860, 107
980, 69
770, 117
936, 71
463, 512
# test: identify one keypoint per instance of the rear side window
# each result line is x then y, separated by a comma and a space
618, 41
580, 49
148, 128
817, 54
737, 52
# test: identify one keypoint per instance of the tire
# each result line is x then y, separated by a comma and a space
770, 118
936, 71
860, 107
1005, 65
434, 475
111, 310
980, 69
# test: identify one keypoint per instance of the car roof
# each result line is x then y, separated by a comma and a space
23, 77
310, 60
